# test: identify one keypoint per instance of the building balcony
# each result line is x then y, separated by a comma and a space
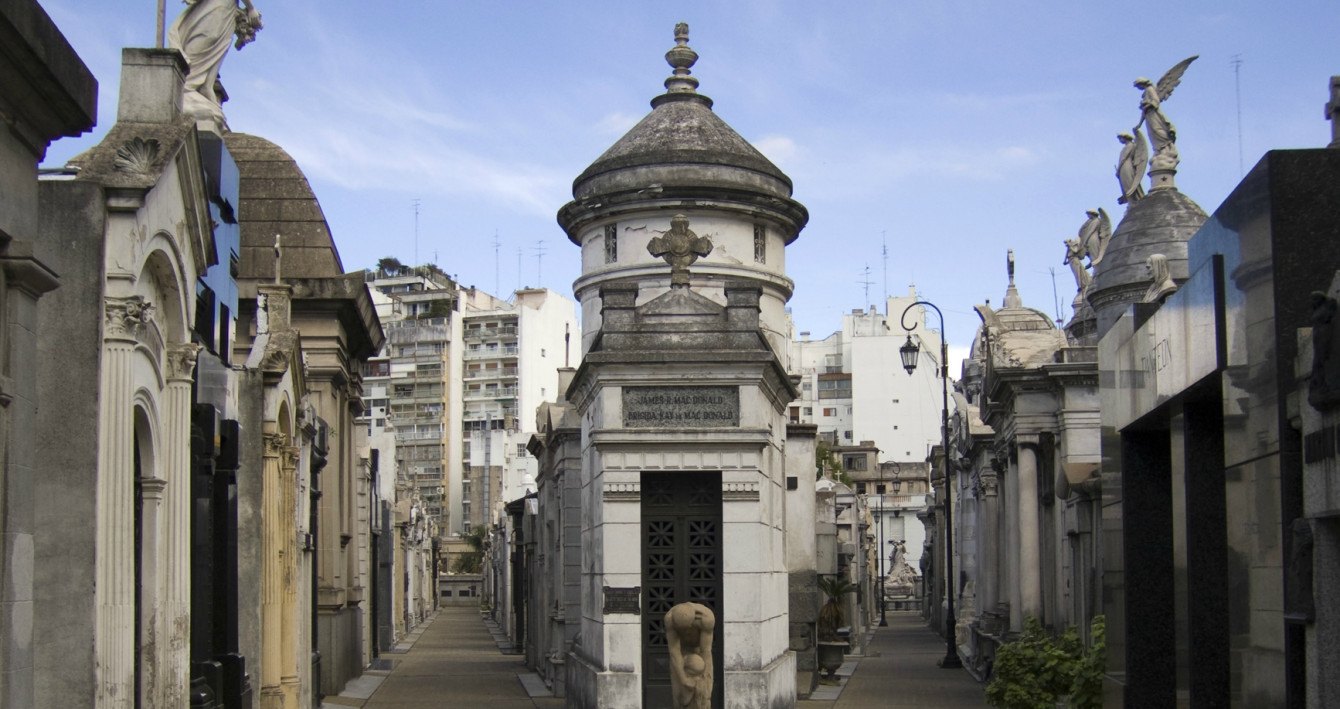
504, 373
499, 353
490, 333
484, 394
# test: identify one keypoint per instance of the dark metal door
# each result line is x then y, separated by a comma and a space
681, 562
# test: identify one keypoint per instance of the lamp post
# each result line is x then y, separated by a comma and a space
883, 617
910, 352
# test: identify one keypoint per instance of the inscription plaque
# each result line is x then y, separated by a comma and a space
623, 600
681, 407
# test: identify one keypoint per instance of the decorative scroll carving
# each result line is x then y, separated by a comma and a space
275, 444
126, 317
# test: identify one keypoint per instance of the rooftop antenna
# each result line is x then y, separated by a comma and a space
538, 248
865, 281
884, 253
1236, 61
497, 261
1056, 299
519, 254
416, 232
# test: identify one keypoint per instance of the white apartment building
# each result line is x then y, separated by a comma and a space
853, 386
512, 352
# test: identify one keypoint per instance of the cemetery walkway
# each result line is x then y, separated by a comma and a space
453, 660
900, 670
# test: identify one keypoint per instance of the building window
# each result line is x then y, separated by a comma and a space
541, 351
860, 488
830, 412
853, 462
879, 489
846, 435
760, 243
809, 411
611, 243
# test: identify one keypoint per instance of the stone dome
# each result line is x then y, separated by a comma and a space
682, 150
1160, 223
275, 198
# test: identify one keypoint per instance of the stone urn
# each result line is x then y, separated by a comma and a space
830, 656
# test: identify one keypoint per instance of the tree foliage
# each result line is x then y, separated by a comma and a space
471, 562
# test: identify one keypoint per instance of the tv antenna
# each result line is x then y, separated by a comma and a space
1236, 62
538, 248
884, 253
416, 233
1056, 299
865, 281
497, 262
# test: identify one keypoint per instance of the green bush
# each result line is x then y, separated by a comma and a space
1036, 670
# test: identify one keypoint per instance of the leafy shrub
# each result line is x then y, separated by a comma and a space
1037, 670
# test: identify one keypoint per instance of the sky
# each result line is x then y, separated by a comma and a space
925, 138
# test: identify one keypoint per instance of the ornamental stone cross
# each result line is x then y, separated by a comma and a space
680, 247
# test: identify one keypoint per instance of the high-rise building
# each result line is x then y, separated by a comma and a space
854, 388
512, 352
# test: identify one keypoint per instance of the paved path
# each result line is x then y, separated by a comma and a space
901, 671
453, 660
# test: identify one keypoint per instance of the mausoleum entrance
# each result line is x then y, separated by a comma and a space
681, 562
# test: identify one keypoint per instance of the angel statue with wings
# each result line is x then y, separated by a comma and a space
1094, 235
1161, 131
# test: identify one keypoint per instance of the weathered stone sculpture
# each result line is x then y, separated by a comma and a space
680, 247
202, 34
1131, 166
1161, 283
688, 632
1074, 257
1161, 131
1094, 235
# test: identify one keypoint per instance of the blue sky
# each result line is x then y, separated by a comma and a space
947, 131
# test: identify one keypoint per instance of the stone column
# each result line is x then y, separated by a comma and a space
988, 535
114, 642
154, 578
287, 531
271, 572
1030, 549
175, 646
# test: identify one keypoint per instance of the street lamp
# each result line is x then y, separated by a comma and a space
883, 617
909, 353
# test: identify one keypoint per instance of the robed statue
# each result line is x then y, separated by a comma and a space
202, 33
1094, 235
1131, 166
1162, 134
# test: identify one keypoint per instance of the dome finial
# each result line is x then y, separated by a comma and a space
1012, 299
681, 57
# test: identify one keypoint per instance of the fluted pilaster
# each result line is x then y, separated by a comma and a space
289, 680
114, 644
272, 572
175, 646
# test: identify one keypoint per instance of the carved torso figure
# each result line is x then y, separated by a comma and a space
688, 632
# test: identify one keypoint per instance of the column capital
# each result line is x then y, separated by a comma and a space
181, 360
125, 318
275, 444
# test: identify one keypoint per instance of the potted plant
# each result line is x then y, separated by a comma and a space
832, 616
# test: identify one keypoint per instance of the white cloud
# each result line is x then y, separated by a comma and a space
777, 148
616, 124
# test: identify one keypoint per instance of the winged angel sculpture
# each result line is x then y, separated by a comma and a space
1162, 134
1091, 242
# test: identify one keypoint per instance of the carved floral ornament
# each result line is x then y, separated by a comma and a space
126, 317
181, 360
275, 444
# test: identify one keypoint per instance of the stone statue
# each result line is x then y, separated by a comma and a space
1074, 257
1161, 131
688, 632
680, 247
202, 34
1161, 283
1094, 234
1131, 166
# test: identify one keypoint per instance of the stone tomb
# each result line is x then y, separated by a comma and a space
682, 405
